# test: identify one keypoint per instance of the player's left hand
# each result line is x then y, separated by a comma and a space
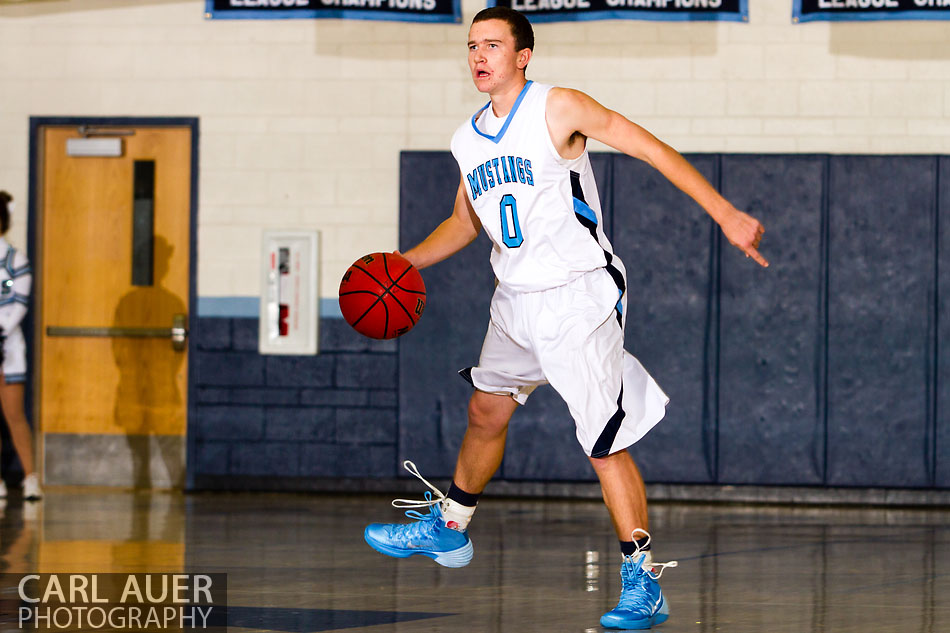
745, 232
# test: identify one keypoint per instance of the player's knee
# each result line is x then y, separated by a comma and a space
614, 460
599, 463
484, 414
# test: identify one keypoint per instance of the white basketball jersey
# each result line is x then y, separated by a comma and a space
541, 211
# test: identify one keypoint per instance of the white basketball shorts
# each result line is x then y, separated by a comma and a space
571, 337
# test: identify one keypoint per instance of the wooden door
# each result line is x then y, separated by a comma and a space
114, 278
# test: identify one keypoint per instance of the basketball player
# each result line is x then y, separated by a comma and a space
15, 281
557, 312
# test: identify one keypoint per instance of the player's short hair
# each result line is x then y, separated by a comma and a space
5, 199
520, 27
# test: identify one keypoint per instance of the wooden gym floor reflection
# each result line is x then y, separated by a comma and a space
297, 563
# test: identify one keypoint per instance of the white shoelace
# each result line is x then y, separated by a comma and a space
654, 565
662, 566
430, 499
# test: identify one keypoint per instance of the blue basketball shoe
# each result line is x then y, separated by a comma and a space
642, 604
428, 536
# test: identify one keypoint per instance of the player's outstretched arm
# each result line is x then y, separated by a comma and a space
572, 112
455, 233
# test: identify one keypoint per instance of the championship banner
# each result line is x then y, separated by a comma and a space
665, 10
827, 10
396, 10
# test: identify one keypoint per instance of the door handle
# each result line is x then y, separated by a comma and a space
178, 332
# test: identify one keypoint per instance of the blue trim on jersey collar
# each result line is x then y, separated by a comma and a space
497, 138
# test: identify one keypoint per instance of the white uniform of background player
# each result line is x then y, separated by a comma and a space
558, 311
15, 281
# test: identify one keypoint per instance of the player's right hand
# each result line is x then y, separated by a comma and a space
745, 233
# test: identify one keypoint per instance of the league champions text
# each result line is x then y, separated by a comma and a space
114, 602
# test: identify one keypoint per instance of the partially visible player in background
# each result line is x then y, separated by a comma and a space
16, 280
557, 315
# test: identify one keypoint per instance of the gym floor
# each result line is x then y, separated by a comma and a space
297, 563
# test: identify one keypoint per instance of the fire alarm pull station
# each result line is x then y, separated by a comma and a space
289, 319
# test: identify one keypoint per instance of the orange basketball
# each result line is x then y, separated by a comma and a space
382, 295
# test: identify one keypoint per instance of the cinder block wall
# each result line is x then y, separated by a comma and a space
302, 121
331, 415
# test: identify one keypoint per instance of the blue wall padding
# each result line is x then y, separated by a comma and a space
881, 278
829, 368
663, 239
771, 425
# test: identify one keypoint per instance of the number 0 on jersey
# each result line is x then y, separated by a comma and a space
510, 228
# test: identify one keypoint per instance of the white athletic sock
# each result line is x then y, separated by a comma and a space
457, 516
647, 559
